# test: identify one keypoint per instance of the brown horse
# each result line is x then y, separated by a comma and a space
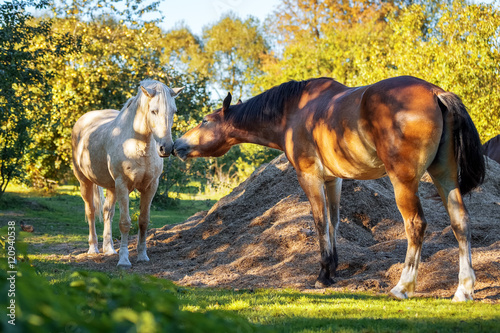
398, 127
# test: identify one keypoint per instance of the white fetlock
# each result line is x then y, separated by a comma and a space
93, 249
141, 253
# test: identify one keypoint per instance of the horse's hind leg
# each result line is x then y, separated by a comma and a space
122, 194
87, 191
146, 199
447, 187
409, 205
109, 212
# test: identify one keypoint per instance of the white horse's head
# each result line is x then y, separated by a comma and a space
159, 105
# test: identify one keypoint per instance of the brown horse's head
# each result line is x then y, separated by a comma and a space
209, 138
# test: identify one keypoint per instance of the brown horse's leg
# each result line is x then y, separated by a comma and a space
447, 187
122, 194
146, 199
333, 189
87, 191
109, 212
314, 188
409, 205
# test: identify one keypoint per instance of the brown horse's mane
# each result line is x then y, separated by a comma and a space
267, 107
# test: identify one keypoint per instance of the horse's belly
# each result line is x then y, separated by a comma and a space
349, 157
352, 171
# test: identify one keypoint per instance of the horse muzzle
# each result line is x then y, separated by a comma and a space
164, 149
181, 150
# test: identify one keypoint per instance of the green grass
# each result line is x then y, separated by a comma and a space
59, 221
59, 218
293, 311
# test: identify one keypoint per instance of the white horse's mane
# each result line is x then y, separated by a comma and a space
157, 86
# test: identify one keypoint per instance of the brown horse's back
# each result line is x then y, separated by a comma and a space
365, 132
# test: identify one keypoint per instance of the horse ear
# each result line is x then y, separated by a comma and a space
148, 92
177, 91
227, 102
239, 102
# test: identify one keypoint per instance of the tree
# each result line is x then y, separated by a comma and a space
24, 86
115, 56
454, 46
233, 49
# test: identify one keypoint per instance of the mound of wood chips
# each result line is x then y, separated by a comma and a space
262, 235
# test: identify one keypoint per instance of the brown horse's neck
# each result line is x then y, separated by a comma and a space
261, 134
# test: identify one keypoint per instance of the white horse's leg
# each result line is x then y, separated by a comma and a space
109, 212
122, 194
86, 189
146, 199
460, 224
415, 224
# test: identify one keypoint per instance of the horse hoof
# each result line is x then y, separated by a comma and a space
124, 264
325, 283
93, 251
109, 252
398, 294
143, 259
462, 296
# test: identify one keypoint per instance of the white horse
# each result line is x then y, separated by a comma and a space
121, 151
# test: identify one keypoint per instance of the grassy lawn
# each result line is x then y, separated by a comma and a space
59, 221
59, 218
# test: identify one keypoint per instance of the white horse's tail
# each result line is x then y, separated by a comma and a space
98, 197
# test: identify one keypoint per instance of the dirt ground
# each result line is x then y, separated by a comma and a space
262, 235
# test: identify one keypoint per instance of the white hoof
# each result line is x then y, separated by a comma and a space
93, 249
396, 292
461, 295
124, 263
142, 258
109, 251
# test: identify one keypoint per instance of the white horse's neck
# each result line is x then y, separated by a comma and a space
134, 119
135, 129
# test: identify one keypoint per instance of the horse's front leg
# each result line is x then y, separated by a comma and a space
314, 188
333, 189
122, 196
144, 216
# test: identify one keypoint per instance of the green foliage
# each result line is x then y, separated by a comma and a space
24, 88
233, 49
454, 46
95, 302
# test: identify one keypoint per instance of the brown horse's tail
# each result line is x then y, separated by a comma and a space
98, 198
467, 145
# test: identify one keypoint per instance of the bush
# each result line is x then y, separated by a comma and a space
95, 302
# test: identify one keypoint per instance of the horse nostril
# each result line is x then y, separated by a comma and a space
162, 149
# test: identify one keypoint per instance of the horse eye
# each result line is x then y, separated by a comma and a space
155, 112
204, 121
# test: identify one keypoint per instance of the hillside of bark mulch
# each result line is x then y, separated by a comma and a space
262, 235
